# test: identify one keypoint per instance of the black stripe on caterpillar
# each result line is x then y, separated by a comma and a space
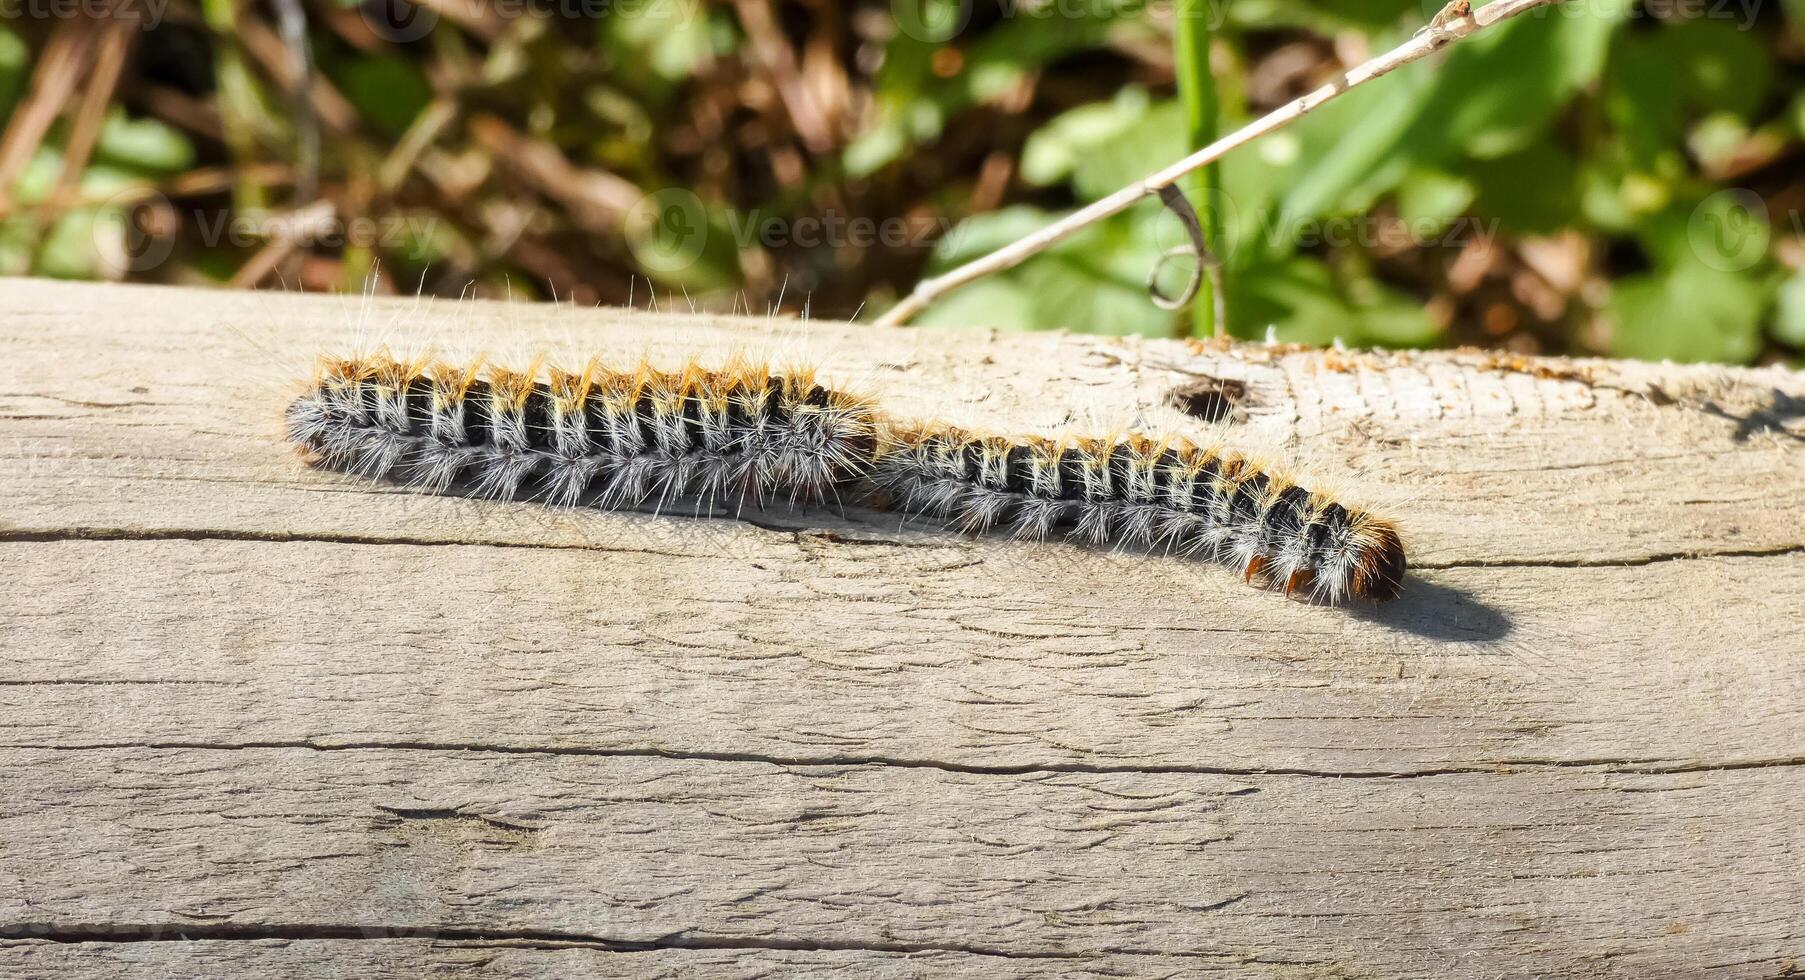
1139, 492
740, 433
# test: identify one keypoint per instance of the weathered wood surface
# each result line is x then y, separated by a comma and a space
260, 721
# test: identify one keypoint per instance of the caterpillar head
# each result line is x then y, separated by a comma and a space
1377, 568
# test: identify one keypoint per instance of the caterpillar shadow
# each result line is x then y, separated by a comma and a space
1439, 612
1782, 409
1426, 609
1430, 610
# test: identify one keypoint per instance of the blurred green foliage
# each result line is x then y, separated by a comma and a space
1592, 121
1604, 176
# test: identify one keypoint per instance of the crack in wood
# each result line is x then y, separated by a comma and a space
1498, 767
51, 535
1779, 551
79, 933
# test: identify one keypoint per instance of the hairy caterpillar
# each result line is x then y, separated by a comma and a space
741, 433
1142, 492
738, 433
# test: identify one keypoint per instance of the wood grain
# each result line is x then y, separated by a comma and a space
256, 719
533, 959
1365, 876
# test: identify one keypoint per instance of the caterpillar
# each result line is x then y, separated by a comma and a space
1140, 492
742, 432
615, 438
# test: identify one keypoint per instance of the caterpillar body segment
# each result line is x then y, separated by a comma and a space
1138, 492
740, 434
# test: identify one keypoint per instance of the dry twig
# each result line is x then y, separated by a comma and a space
59, 72
116, 35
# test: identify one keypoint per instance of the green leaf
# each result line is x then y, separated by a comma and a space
387, 89
1350, 143
1330, 162
44, 168
1496, 94
1690, 312
982, 234
999, 58
1546, 59
1660, 79
15, 62
1294, 301
39, 176
18, 239
1299, 300
1096, 282
423, 239
1601, 198
1644, 99
1534, 191
681, 242
1053, 151
1071, 292
1720, 65
1392, 319
216, 264
996, 302
1152, 142
149, 146
670, 39
1789, 312
105, 180
69, 249
1432, 198
913, 102
1325, 17
1728, 230
874, 149
1717, 139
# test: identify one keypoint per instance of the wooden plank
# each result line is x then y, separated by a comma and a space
809, 648
144, 410
513, 959
1569, 749
1531, 873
